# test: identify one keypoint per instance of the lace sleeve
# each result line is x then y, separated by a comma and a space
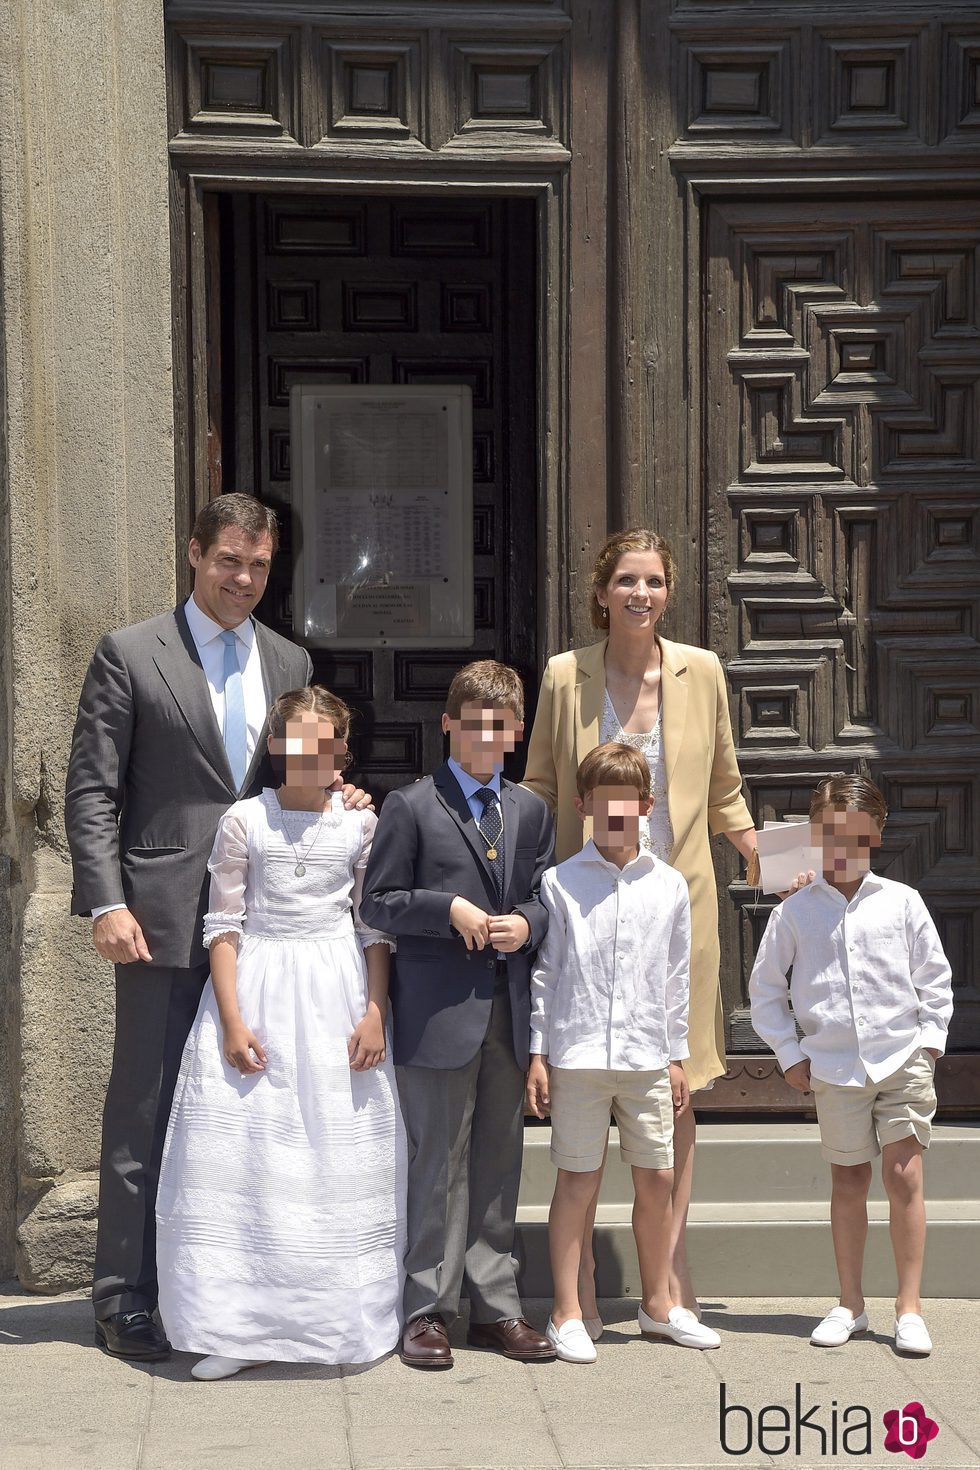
228, 866
367, 936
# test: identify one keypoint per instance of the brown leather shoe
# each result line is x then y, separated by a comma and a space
513, 1337
425, 1343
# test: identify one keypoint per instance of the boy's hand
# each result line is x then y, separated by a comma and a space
118, 937
472, 923
509, 932
800, 881
798, 1076
238, 1048
354, 798
931, 1050
366, 1047
680, 1089
538, 1090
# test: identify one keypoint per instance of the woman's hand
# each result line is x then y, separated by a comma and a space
366, 1047
238, 1048
538, 1092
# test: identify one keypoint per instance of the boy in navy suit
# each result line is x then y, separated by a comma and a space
454, 873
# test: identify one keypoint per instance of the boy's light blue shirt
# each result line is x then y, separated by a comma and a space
469, 786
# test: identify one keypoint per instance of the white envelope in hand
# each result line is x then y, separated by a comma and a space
785, 849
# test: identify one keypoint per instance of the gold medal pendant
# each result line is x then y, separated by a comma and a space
492, 854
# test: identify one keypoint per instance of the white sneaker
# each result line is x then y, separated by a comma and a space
571, 1341
593, 1326
681, 1327
911, 1335
837, 1327
216, 1367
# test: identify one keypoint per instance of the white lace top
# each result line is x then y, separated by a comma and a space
255, 889
659, 835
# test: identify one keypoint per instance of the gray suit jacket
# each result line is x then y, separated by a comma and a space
148, 777
428, 849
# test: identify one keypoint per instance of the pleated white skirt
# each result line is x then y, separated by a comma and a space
281, 1203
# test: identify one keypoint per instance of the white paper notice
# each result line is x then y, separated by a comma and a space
785, 849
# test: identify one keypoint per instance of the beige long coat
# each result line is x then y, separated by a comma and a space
704, 795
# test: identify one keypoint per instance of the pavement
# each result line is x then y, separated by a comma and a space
65, 1405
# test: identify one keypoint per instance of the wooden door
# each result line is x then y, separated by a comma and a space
415, 291
816, 275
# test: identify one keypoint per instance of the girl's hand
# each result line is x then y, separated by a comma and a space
239, 1045
680, 1089
366, 1047
537, 1092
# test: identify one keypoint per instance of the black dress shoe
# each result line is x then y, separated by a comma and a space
132, 1335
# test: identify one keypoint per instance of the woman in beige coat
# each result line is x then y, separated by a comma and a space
671, 701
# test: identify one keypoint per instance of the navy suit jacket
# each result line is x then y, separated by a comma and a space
428, 849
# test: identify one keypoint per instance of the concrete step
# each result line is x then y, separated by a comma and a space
759, 1223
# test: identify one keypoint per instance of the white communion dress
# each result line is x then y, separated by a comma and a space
281, 1202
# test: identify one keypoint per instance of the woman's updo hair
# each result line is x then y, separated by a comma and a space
299, 702
617, 545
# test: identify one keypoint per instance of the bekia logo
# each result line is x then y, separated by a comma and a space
818, 1431
909, 1429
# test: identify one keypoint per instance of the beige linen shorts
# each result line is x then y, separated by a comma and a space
581, 1102
857, 1122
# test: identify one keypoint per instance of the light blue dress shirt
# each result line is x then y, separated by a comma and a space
469, 786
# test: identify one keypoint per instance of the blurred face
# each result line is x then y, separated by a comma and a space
482, 736
636, 593
230, 577
616, 813
312, 752
846, 838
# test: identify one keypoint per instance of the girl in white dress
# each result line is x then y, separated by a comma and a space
281, 1203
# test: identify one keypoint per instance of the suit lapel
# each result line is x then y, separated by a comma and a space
452, 798
275, 681
590, 689
673, 694
510, 806
178, 663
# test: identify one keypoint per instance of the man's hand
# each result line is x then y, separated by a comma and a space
471, 922
509, 932
798, 1076
538, 1090
355, 800
239, 1045
366, 1047
680, 1089
117, 937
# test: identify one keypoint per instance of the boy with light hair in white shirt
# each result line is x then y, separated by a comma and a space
609, 1003
872, 996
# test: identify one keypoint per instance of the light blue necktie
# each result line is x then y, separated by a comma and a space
235, 731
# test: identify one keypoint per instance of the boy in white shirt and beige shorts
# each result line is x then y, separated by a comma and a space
871, 993
609, 1003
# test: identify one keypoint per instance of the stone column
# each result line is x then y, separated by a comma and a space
86, 544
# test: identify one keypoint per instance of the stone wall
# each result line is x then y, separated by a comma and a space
86, 544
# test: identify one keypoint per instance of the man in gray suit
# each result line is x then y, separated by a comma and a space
170, 732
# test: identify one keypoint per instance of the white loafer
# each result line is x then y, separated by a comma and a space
911, 1335
217, 1367
681, 1327
571, 1341
593, 1326
837, 1327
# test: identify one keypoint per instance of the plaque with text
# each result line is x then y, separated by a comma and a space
382, 492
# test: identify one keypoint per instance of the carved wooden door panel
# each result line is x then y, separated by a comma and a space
416, 291
842, 433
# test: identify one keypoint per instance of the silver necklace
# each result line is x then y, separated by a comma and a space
332, 821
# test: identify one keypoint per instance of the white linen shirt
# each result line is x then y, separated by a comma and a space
611, 985
870, 982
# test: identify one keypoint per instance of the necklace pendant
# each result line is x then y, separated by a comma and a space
299, 869
492, 854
